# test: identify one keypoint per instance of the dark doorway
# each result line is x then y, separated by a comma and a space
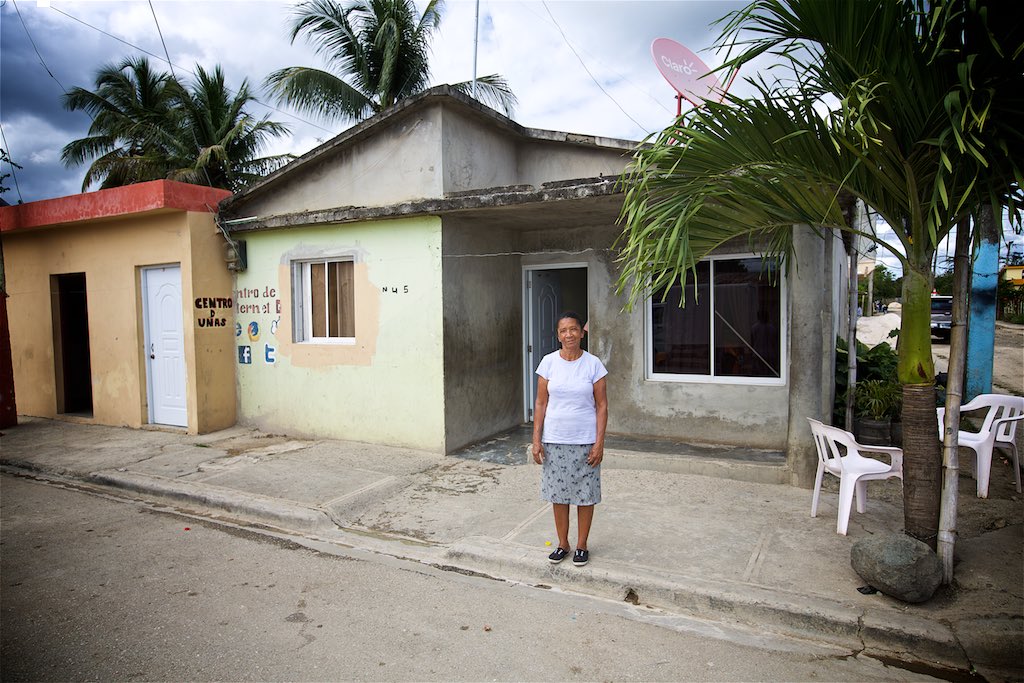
71, 344
550, 292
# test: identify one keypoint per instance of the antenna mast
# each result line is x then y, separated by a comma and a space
476, 39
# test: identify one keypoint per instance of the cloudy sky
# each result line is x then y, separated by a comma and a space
533, 44
577, 66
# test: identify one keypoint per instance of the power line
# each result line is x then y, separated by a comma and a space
111, 35
585, 68
195, 139
14, 173
167, 59
160, 33
41, 61
612, 70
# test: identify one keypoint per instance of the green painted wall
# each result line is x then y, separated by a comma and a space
385, 388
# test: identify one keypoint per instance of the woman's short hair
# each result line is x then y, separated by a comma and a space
571, 314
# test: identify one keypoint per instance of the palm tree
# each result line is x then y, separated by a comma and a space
914, 136
217, 141
376, 52
130, 108
147, 126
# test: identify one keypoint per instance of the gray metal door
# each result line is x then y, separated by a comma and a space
545, 306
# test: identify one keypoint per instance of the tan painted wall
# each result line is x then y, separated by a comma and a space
111, 253
215, 406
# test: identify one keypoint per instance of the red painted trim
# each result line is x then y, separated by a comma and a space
118, 201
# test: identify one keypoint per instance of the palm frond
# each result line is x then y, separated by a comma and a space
376, 53
318, 93
493, 90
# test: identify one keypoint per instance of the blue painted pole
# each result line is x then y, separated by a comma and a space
981, 329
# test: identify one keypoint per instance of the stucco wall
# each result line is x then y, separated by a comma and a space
717, 413
480, 154
475, 153
483, 353
387, 386
212, 371
812, 338
483, 302
111, 252
542, 162
399, 162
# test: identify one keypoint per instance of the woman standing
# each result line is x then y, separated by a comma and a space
569, 421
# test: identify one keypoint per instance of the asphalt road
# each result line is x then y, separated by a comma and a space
100, 588
1007, 359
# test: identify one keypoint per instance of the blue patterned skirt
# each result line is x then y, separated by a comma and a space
567, 479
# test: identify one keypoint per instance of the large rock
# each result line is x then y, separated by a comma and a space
898, 565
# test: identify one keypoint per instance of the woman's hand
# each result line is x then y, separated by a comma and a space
538, 453
596, 455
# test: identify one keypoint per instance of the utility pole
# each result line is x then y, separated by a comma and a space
476, 41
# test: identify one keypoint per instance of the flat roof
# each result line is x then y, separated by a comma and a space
152, 196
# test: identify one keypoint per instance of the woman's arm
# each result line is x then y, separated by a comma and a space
540, 407
601, 403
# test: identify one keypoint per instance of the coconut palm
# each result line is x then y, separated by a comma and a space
376, 52
913, 135
147, 126
217, 142
129, 108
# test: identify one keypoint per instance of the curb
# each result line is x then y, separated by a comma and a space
754, 472
782, 613
262, 509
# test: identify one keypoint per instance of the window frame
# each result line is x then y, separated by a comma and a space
302, 303
711, 378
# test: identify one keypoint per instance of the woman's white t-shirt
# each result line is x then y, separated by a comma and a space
571, 415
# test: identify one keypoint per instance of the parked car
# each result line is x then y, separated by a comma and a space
942, 316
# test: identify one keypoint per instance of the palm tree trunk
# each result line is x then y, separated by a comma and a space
922, 465
954, 396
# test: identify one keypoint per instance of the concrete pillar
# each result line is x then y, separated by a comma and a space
811, 341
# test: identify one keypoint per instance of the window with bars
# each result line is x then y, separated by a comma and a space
730, 329
324, 296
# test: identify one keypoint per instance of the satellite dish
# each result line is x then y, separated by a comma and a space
686, 73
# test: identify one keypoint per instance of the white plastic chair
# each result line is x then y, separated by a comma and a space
998, 429
852, 468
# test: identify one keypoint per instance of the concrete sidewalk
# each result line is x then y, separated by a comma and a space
727, 550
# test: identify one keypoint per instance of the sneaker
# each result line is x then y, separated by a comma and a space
581, 557
557, 556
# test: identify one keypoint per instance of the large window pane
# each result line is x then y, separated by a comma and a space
318, 296
747, 318
325, 300
341, 300
682, 336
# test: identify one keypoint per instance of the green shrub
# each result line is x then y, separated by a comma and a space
877, 363
878, 399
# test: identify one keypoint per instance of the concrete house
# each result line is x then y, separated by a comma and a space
403, 281
120, 307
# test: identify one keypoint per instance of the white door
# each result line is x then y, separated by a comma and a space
165, 345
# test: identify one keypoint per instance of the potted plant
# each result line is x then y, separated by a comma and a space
876, 402
895, 412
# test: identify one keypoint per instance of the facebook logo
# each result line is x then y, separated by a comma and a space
245, 355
